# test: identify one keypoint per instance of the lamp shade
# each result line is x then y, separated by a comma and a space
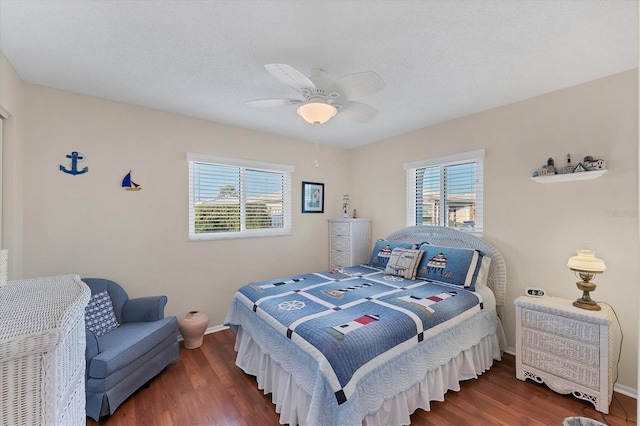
316, 112
586, 261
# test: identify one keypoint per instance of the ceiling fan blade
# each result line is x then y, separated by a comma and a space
291, 77
358, 85
273, 102
357, 111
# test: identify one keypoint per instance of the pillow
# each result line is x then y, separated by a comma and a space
99, 316
483, 273
452, 265
404, 263
382, 252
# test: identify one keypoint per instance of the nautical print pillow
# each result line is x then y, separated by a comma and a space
382, 252
98, 314
459, 266
404, 263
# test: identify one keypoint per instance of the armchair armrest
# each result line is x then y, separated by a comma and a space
143, 309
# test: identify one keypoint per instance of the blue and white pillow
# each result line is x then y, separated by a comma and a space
98, 314
459, 266
404, 263
382, 252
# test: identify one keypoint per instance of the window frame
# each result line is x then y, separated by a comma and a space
476, 157
285, 170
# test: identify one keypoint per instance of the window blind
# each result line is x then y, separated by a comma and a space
446, 191
231, 198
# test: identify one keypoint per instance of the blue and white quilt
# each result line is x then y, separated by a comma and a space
351, 321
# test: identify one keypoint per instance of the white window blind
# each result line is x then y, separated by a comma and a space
446, 191
233, 198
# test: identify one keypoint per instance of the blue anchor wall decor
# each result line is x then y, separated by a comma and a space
75, 157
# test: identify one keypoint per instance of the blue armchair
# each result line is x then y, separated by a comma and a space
124, 359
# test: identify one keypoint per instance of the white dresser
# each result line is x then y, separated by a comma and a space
349, 242
42, 344
567, 348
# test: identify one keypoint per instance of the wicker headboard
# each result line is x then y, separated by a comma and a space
450, 237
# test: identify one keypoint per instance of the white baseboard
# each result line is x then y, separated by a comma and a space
215, 329
625, 390
209, 330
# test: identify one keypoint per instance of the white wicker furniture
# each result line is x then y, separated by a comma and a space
4, 259
349, 242
42, 344
567, 348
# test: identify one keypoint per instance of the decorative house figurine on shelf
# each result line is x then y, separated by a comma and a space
551, 170
545, 170
568, 168
580, 168
542, 171
595, 164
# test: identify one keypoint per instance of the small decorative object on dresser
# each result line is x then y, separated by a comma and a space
345, 206
349, 242
568, 349
192, 327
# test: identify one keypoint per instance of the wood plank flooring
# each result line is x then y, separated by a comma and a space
204, 387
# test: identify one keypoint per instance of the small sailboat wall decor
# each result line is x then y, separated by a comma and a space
130, 185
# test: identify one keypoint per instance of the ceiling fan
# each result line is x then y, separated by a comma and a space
322, 98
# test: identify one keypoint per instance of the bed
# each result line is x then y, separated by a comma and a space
370, 344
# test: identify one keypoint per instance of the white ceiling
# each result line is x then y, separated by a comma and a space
440, 59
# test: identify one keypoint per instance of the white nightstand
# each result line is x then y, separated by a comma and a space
349, 242
567, 348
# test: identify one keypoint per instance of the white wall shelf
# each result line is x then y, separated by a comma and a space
570, 176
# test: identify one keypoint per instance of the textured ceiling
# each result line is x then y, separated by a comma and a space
439, 59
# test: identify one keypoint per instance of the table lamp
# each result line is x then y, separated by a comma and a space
586, 265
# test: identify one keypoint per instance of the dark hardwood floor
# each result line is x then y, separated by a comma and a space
204, 387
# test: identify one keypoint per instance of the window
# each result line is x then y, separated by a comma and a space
3, 116
231, 198
446, 191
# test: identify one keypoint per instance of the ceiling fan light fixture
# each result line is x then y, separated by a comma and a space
316, 112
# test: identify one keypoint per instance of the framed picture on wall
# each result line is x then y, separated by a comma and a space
312, 197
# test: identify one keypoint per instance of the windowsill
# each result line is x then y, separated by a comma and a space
238, 235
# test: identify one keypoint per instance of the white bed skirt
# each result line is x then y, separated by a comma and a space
292, 403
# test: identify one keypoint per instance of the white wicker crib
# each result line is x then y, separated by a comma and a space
42, 345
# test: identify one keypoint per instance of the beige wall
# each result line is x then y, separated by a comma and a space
88, 225
536, 226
